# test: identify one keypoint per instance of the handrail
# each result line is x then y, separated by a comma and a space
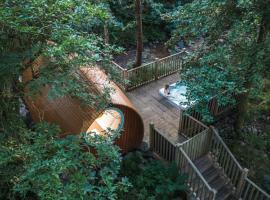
195, 169
224, 158
197, 146
192, 138
199, 122
253, 193
188, 123
161, 145
115, 64
226, 147
142, 66
209, 141
213, 191
149, 72
173, 55
153, 62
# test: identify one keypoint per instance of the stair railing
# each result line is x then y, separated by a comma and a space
161, 145
189, 126
225, 160
252, 191
198, 145
196, 182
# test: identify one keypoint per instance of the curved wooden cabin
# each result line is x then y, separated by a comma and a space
74, 118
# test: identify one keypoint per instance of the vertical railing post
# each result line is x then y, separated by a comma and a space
156, 68
125, 73
151, 136
215, 107
178, 156
180, 122
214, 194
182, 60
241, 183
210, 139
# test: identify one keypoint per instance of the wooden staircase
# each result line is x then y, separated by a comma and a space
215, 178
213, 173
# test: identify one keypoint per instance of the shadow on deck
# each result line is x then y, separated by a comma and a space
156, 109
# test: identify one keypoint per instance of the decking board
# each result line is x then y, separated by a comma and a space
157, 109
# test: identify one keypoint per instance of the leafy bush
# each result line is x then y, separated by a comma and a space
152, 179
46, 167
253, 153
155, 28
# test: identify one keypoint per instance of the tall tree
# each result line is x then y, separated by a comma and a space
234, 53
35, 163
139, 33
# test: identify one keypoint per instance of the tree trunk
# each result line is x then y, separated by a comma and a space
139, 33
106, 33
242, 105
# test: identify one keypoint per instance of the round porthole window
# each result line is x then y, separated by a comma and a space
111, 119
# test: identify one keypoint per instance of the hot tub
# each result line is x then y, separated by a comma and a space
177, 95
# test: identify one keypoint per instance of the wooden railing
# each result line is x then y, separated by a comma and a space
198, 145
252, 191
142, 75
196, 182
161, 145
207, 141
149, 72
224, 158
119, 69
169, 65
189, 126
215, 109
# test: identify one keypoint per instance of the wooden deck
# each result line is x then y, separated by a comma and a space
157, 109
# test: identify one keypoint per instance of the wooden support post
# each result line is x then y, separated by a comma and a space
180, 128
151, 136
241, 183
177, 158
208, 141
214, 194
211, 137
156, 68
216, 107
125, 73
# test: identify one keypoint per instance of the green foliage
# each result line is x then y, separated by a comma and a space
253, 152
235, 48
206, 82
37, 164
33, 28
154, 26
48, 167
259, 105
152, 179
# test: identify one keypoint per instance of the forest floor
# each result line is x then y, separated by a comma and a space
152, 51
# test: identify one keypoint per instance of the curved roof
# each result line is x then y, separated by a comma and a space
74, 118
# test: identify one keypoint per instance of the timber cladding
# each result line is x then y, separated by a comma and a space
73, 118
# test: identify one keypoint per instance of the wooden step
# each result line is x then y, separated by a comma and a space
210, 174
203, 163
214, 178
218, 183
225, 193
